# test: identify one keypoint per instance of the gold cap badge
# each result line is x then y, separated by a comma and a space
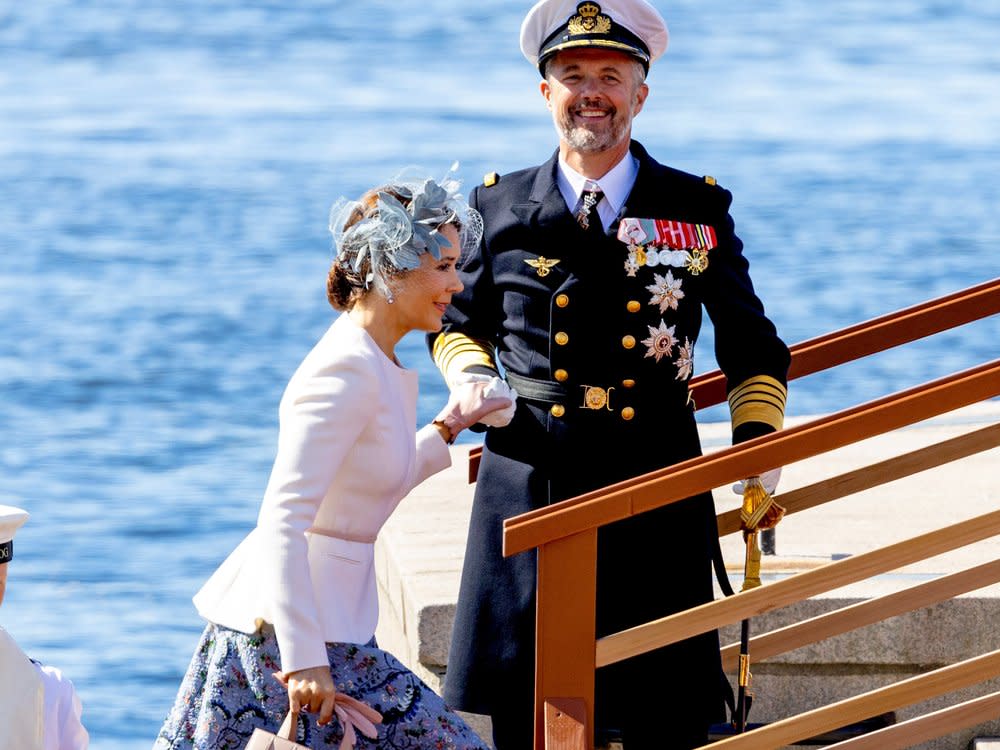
588, 20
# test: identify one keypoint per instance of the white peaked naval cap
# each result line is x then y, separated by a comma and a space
631, 26
11, 519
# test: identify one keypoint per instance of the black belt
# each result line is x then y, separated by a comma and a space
595, 397
538, 390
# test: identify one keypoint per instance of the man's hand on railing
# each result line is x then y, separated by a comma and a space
769, 479
759, 511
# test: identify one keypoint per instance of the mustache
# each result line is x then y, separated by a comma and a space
597, 104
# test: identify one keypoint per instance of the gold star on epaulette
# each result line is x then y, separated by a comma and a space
491, 179
709, 179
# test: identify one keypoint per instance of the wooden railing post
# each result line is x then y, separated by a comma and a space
564, 643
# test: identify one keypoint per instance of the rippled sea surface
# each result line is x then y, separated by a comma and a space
166, 168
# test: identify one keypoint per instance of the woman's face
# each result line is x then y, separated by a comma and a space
423, 294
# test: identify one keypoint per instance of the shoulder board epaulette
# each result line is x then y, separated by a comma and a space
491, 179
709, 179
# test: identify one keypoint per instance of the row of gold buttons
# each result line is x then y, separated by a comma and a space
561, 375
633, 306
628, 342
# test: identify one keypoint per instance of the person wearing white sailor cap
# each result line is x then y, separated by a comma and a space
588, 291
633, 27
39, 708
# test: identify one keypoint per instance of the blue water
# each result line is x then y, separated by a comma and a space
166, 167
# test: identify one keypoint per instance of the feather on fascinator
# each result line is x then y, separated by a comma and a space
404, 222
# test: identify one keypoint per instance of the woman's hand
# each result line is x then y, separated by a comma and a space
310, 690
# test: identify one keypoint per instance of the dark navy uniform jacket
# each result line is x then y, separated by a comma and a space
626, 342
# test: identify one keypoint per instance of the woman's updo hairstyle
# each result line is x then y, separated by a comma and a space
344, 285
383, 235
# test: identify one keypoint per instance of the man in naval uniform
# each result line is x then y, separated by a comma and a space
39, 709
588, 291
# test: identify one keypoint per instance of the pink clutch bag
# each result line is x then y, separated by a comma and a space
353, 715
264, 740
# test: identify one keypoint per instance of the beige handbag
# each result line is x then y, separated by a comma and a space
354, 715
283, 740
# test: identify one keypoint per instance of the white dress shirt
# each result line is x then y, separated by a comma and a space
348, 452
616, 185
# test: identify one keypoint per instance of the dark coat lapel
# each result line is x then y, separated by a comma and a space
545, 209
653, 191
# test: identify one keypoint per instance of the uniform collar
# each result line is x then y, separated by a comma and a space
616, 185
547, 207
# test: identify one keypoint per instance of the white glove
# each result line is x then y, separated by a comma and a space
471, 402
769, 479
495, 388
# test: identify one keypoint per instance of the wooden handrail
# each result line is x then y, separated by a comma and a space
868, 612
903, 693
688, 478
642, 638
936, 724
872, 336
860, 340
867, 477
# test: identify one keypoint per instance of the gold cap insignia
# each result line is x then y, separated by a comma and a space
588, 20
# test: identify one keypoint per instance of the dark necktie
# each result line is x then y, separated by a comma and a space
587, 215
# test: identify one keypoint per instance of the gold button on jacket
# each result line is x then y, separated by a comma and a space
627, 413
562, 300
557, 410
562, 338
561, 375
628, 342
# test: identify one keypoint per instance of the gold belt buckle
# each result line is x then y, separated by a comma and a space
596, 398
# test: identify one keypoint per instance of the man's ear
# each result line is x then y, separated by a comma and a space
640, 98
546, 91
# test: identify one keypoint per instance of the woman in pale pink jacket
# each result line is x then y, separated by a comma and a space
292, 611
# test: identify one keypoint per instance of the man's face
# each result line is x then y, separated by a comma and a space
593, 95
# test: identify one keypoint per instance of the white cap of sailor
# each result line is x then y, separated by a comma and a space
631, 26
11, 519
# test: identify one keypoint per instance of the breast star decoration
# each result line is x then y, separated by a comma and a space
661, 341
685, 360
666, 291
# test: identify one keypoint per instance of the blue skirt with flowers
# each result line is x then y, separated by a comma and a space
229, 690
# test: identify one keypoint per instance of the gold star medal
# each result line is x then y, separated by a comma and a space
698, 261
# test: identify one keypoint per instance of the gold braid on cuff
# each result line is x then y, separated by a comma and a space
758, 399
455, 352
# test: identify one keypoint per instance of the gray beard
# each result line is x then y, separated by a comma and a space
588, 142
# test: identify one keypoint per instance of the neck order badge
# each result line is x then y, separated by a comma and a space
588, 209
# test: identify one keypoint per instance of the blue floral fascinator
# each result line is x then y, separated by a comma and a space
403, 224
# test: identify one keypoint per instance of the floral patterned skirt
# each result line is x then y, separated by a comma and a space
229, 690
